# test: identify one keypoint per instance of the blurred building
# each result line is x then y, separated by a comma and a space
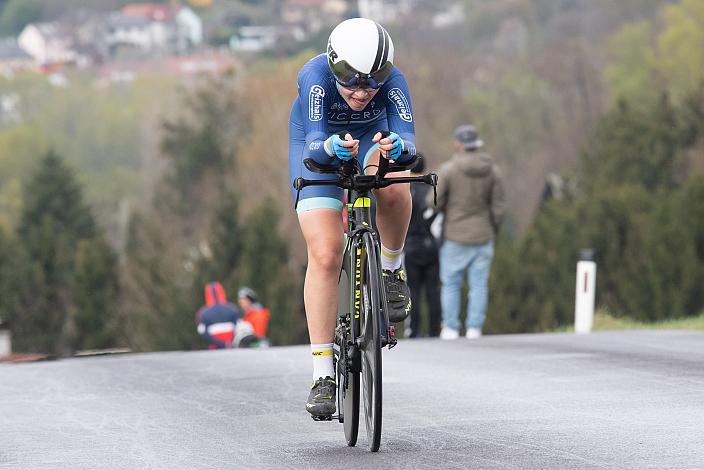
49, 44
152, 28
184, 66
312, 15
384, 11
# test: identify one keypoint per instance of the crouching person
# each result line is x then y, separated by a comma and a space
217, 319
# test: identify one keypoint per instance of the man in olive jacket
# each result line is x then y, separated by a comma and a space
471, 195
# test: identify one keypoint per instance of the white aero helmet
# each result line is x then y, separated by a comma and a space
360, 53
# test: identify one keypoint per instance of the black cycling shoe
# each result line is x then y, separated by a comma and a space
397, 294
321, 401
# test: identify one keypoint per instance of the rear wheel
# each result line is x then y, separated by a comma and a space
370, 341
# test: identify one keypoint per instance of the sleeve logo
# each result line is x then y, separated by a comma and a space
315, 103
402, 105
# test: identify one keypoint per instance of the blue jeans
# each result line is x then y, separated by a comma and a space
455, 259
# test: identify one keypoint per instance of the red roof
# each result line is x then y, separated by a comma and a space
152, 11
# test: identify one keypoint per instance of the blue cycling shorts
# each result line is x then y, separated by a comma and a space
322, 197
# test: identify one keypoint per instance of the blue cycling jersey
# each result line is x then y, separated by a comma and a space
320, 111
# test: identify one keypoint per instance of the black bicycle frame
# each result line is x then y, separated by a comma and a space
359, 221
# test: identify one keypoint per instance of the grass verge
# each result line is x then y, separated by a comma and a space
603, 321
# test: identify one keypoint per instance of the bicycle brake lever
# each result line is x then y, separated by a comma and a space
297, 185
432, 180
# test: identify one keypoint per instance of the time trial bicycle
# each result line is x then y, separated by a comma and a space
363, 327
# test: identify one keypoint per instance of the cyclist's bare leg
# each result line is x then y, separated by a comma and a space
322, 230
393, 208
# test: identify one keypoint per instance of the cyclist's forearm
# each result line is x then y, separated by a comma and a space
315, 148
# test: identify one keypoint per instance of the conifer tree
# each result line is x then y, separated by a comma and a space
95, 295
55, 221
12, 275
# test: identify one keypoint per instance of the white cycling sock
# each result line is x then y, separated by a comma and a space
322, 360
391, 259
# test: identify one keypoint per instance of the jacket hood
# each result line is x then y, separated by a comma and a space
473, 163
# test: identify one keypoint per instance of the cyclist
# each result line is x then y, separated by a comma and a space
356, 88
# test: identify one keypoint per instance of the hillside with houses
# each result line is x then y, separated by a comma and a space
182, 38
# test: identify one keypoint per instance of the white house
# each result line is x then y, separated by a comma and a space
155, 28
47, 43
190, 26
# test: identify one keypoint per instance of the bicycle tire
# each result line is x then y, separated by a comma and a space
370, 344
347, 390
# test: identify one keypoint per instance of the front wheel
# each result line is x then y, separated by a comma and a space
370, 340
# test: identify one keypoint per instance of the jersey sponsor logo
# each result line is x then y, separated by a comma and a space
315, 103
355, 116
402, 105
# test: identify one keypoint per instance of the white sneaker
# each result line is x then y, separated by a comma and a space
449, 333
473, 333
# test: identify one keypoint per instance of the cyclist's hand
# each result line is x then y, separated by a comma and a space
342, 149
391, 146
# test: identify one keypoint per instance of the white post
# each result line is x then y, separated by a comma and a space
585, 292
5, 341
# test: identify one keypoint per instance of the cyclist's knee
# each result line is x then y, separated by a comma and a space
325, 256
395, 196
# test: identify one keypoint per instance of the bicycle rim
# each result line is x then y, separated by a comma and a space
370, 346
348, 387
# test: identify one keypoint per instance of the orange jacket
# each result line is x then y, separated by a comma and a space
258, 316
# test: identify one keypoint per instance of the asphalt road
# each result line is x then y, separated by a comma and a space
610, 400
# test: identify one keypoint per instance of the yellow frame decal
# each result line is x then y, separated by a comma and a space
357, 282
363, 202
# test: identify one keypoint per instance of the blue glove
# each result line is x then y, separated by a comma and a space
335, 145
397, 142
